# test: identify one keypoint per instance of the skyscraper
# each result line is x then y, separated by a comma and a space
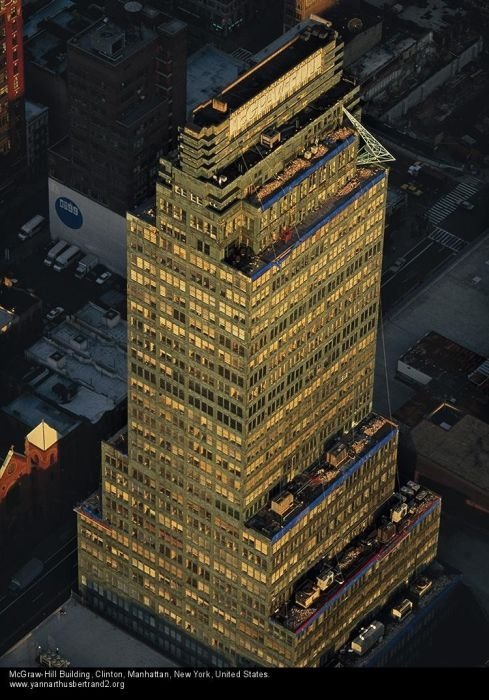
12, 118
249, 515
126, 80
126, 86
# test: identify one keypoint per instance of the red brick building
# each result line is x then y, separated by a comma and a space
30, 487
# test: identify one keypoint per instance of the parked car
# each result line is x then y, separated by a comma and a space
54, 313
103, 277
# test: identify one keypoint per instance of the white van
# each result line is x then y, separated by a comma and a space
31, 227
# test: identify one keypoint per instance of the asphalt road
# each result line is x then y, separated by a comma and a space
19, 207
21, 613
416, 265
423, 260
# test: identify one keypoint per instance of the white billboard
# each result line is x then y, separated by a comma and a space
89, 225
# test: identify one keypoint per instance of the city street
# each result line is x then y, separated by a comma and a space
21, 613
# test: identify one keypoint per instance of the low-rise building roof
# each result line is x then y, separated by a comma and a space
85, 640
455, 442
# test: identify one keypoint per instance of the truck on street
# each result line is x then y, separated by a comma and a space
66, 259
53, 252
86, 265
26, 575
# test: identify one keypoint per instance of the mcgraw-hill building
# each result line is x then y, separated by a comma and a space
249, 517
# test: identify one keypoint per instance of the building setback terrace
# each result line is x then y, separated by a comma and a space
437, 583
91, 508
343, 456
273, 139
330, 579
304, 166
119, 441
253, 265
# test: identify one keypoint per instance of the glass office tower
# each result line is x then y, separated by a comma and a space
249, 515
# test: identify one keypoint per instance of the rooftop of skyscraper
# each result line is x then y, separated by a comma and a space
342, 456
208, 70
113, 43
264, 74
280, 136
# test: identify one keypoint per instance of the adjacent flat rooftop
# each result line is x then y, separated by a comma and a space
380, 57
76, 399
50, 11
85, 640
32, 410
88, 348
438, 358
209, 70
433, 15
455, 442
443, 371
352, 17
112, 43
452, 306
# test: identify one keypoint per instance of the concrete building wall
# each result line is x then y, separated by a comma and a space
89, 225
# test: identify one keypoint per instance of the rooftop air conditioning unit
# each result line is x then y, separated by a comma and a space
386, 532
399, 512
325, 578
270, 138
368, 637
57, 360
112, 318
282, 503
307, 594
79, 342
336, 454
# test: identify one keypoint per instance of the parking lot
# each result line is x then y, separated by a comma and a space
56, 288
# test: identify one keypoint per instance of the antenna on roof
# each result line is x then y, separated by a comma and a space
371, 151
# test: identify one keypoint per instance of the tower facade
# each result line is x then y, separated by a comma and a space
249, 517
12, 118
